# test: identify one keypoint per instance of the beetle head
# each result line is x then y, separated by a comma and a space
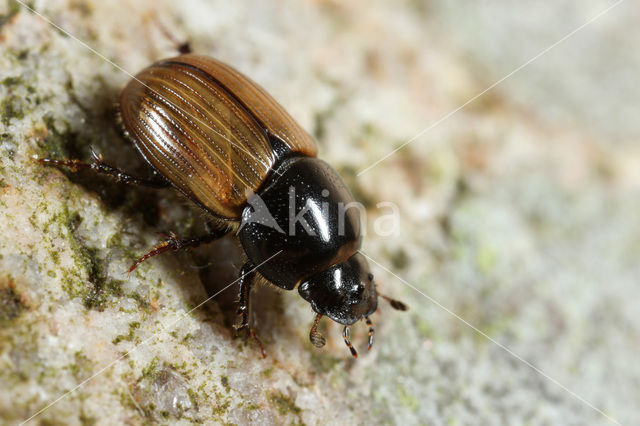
344, 292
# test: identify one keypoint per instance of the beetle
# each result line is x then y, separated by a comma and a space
227, 145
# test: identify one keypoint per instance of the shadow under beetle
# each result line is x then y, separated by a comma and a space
226, 144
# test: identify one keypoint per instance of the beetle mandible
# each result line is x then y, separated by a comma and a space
226, 144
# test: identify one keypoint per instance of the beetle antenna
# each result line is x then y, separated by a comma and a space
395, 304
371, 332
316, 338
345, 334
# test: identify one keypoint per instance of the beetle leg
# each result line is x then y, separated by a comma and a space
97, 166
246, 284
255, 337
183, 47
371, 331
172, 242
316, 338
247, 280
395, 304
345, 334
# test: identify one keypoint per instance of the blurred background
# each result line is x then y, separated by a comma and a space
518, 198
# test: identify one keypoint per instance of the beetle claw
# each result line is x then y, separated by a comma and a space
371, 332
173, 242
249, 332
345, 334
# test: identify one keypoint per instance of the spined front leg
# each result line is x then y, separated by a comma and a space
247, 280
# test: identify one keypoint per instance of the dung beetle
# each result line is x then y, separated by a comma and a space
226, 144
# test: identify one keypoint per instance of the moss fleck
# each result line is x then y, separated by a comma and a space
9, 109
60, 144
140, 300
408, 400
220, 409
284, 404
101, 288
81, 367
87, 420
11, 81
252, 406
14, 9
151, 369
486, 259
193, 397
55, 257
133, 326
225, 382
11, 305
399, 259
322, 362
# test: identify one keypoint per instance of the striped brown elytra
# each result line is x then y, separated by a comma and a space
226, 144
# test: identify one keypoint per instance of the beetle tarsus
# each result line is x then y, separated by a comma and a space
255, 337
97, 166
160, 248
317, 339
247, 275
345, 334
371, 332
172, 242
247, 280
250, 333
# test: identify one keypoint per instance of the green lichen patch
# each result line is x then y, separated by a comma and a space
399, 259
81, 368
141, 301
322, 118
87, 420
267, 373
283, 404
10, 108
151, 369
221, 408
323, 362
193, 397
407, 399
101, 291
59, 144
224, 380
11, 305
101, 288
11, 81
14, 9
98, 288
19, 339
133, 326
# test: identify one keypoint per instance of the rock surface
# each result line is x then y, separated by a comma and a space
518, 222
